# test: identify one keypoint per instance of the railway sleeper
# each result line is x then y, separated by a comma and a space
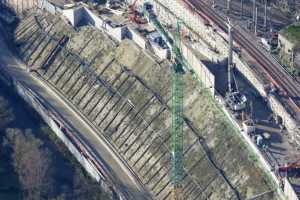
122, 121
136, 125
128, 134
118, 83
88, 97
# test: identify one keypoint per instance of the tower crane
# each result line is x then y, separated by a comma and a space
178, 69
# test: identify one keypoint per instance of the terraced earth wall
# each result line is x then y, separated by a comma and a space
126, 94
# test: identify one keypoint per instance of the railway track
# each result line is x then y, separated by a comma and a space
285, 83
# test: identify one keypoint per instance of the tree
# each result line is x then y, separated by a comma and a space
83, 188
32, 163
6, 114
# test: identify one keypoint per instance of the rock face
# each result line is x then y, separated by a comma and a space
126, 94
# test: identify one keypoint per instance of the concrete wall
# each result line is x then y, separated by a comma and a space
136, 37
115, 32
210, 54
289, 191
160, 52
205, 76
74, 15
286, 46
94, 20
42, 4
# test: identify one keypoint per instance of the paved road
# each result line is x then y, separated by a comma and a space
126, 180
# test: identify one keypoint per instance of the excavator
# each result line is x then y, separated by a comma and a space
136, 16
290, 169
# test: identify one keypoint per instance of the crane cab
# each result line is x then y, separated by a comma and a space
236, 101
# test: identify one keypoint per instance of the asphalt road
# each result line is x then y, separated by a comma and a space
120, 172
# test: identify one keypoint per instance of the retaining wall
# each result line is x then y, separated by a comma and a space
205, 76
289, 191
136, 37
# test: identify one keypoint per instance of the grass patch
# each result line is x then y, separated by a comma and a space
292, 32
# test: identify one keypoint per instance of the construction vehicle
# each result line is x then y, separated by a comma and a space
234, 98
290, 169
114, 4
178, 69
135, 15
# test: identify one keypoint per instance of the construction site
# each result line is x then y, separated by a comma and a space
145, 88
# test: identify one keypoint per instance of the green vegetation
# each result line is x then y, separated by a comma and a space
34, 164
292, 32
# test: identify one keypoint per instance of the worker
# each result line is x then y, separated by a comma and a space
259, 141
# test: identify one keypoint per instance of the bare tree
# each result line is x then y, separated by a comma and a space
6, 114
31, 162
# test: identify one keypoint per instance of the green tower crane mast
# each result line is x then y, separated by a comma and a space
177, 100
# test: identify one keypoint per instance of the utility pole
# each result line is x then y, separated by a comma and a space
255, 26
265, 16
228, 6
253, 11
270, 19
230, 41
293, 58
242, 8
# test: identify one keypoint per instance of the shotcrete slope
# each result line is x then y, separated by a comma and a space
126, 94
